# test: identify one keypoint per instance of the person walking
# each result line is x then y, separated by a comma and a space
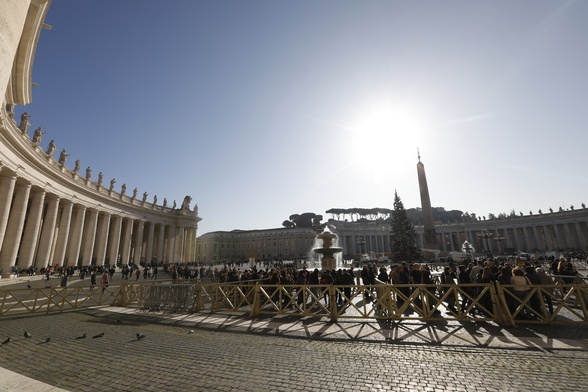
104, 280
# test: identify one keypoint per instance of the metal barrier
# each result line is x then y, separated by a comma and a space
555, 303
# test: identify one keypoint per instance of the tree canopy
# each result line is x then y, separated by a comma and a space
403, 236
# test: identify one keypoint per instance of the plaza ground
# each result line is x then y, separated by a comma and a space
234, 352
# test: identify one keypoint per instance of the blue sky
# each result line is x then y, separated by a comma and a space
263, 109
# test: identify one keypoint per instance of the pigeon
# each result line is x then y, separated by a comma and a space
6, 341
82, 336
27, 335
29, 286
140, 336
98, 336
191, 331
48, 339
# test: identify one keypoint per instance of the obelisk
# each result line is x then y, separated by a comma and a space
430, 234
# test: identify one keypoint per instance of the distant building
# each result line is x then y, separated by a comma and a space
262, 245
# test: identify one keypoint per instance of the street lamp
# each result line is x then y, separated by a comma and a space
486, 236
499, 239
361, 244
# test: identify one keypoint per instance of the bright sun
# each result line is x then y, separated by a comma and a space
386, 132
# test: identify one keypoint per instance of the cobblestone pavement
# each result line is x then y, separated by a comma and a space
238, 354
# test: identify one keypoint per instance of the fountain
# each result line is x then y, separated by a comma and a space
328, 260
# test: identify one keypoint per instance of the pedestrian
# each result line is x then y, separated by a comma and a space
93, 279
104, 281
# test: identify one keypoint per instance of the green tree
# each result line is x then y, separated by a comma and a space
403, 236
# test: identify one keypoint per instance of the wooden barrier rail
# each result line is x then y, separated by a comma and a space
555, 303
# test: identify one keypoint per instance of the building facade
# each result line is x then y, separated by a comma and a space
51, 214
261, 245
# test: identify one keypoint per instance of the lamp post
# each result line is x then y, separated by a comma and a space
499, 239
486, 236
361, 244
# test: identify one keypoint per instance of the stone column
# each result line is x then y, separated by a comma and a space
527, 239
150, 238
170, 244
89, 237
558, 240
515, 231
160, 242
102, 238
569, 240
188, 254
114, 239
6, 190
63, 236
73, 253
580, 235
538, 243
126, 241
14, 229
140, 225
547, 235
31, 231
47, 232
179, 244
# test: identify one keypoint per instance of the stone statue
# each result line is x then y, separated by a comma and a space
144, 196
88, 173
37, 136
112, 184
100, 178
77, 166
24, 122
196, 208
135, 193
174, 206
63, 157
164, 202
155, 200
186, 203
10, 110
123, 189
51, 148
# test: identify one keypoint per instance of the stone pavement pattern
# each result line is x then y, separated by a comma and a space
172, 359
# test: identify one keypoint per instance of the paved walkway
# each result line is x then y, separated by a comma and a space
228, 352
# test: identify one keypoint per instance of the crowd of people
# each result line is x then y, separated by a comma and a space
407, 276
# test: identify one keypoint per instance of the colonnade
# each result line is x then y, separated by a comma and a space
40, 229
566, 230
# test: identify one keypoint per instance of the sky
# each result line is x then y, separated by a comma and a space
263, 109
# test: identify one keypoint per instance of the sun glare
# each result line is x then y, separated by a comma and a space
385, 133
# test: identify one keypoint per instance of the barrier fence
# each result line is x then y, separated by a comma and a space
556, 303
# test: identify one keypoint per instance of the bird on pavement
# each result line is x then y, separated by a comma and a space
48, 339
82, 336
98, 336
27, 335
140, 336
191, 331
28, 286
6, 341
